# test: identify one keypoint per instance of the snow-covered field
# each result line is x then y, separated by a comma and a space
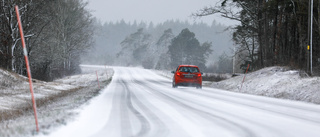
55, 100
277, 82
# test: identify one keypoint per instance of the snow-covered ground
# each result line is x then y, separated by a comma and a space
277, 82
55, 100
139, 102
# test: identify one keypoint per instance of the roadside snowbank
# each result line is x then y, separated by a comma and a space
56, 101
278, 82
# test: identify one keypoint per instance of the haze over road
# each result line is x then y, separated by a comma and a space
140, 102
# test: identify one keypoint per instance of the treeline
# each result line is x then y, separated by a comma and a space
57, 32
272, 32
169, 51
110, 39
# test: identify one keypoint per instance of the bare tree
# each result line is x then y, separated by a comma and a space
56, 35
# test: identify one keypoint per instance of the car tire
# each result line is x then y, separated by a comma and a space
174, 85
199, 87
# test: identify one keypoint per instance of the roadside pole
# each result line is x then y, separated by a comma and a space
28, 68
311, 21
244, 76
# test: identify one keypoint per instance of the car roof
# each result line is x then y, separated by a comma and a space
188, 66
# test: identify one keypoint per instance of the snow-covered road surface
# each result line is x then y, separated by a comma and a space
139, 102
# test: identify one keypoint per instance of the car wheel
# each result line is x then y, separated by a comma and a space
199, 87
174, 85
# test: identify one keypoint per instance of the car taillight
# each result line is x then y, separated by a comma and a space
199, 75
178, 74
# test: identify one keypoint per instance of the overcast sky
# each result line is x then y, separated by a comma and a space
156, 11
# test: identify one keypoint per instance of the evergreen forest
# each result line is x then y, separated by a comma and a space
148, 45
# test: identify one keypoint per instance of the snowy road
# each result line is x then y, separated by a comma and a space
140, 103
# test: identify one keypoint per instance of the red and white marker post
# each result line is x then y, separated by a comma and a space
28, 68
244, 76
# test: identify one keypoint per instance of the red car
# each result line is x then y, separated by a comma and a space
187, 75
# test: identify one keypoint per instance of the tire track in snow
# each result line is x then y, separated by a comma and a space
161, 128
126, 104
284, 112
126, 129
145, 125
113, 124
254, 103
236, 100
247, 119
120, 119
217, 119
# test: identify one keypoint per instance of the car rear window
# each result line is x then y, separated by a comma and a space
189, 69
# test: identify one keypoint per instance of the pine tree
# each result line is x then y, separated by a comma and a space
186, 49
161, 50
134, 49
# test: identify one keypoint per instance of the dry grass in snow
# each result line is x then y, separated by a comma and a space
56, 101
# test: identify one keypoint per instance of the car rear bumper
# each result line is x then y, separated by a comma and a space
188, 84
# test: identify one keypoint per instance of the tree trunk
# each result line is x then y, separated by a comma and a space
261, 43
275, 30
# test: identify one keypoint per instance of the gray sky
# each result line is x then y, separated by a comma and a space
156, 11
